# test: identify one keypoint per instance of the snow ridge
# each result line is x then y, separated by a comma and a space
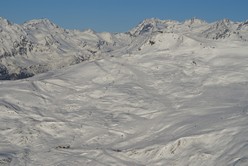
40, 45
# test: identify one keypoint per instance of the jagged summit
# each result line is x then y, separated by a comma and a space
243, 26
151, 25
40, 23
91, 31
225, 23
224, 29
4, 21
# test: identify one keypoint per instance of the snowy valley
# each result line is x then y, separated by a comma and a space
164, 93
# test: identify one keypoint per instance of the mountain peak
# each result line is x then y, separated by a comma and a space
40, 23
90, 31
150, 25
224, 22
243, 26
4, 21
151, 21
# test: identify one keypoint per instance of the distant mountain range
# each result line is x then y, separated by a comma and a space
39, 45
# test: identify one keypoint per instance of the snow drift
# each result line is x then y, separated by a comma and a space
165, 93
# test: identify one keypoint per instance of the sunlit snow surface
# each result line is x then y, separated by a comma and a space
178, 101
155, 108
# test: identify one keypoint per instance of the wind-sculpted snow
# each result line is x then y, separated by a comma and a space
184, 106
160, 98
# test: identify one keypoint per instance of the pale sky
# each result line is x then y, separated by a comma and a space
120, 15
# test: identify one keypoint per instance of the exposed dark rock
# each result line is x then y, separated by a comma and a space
4, 74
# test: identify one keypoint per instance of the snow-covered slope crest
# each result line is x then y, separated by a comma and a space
158, 107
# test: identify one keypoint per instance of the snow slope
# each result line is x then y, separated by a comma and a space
178, 100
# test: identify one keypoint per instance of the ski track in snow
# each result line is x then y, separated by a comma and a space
161, 98
158, 109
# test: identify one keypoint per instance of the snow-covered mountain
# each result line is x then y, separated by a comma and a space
164, 93
38, 46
